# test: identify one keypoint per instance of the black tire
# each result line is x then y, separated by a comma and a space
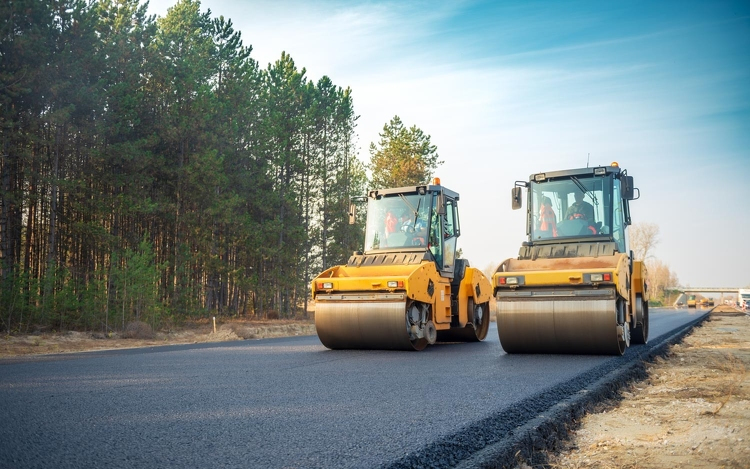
623, 344
479, 320
639, 334
476, 328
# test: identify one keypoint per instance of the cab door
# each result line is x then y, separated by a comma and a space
451, 232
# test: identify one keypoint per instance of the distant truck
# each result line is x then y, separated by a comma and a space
743, 298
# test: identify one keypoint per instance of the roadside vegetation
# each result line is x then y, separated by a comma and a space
661, 279
152, 171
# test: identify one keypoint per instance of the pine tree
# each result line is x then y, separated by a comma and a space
150, 168
403, 156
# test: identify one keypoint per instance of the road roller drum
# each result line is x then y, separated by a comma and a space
559, 326
364, 324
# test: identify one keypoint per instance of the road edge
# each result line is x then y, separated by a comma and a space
527, 443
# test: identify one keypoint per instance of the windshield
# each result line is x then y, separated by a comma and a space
577, 207
397, 221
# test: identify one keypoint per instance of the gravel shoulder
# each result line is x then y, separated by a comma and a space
692, 411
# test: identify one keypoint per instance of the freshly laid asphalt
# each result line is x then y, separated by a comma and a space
292, 403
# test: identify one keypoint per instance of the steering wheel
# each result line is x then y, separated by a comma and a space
574, 226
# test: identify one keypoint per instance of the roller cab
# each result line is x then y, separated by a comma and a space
406, 289
575, 287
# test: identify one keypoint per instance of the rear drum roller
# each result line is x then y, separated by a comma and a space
476, 327
639, 334
430, 332
623, 327
479, 317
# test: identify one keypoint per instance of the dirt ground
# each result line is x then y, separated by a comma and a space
692, 411
192, 333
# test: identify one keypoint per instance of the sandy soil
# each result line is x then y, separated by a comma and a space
46, 343
692, 411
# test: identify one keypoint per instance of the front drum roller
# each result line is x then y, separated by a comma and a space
576, 326
375, 325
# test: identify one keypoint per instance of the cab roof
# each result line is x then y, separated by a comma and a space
421, 189
564, 174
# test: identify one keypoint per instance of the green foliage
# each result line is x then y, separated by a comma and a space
403, 157
151, 171
134, 285
15, 301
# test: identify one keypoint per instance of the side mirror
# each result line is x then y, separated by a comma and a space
516, 195
352, 213
441, 204
628, 191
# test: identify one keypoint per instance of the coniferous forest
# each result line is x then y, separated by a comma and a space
153, 171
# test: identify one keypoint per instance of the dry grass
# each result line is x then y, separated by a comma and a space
138, 330
734, 370
140, 334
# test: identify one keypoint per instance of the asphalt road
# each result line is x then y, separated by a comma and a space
286, 403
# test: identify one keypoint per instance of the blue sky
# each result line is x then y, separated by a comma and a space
506, 89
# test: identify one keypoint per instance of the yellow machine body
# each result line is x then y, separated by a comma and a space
573, 288
407, 290
359, 310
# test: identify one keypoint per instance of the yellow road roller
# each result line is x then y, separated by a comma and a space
575, 286
406, 289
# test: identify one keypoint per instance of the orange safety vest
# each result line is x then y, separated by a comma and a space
390, 223
549, 221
